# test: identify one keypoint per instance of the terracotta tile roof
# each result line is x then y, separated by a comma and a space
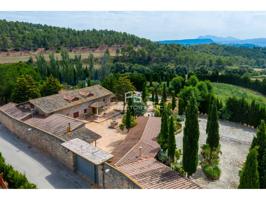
147, 142
12, 110
143, 167
70, 98
152, 174
57, 124
132, 138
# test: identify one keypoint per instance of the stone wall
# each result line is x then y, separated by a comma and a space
51, 144
81, 107
115, 179
78, 108
40, 139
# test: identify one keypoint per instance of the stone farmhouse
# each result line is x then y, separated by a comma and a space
55, 125
74, 103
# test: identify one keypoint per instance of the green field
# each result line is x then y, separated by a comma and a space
224, 91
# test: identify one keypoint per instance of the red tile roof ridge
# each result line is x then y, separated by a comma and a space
139, 142
162, 167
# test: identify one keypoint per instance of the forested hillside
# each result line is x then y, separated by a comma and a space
27, 36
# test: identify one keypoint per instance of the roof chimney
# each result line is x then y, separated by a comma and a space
69, 131
68, 128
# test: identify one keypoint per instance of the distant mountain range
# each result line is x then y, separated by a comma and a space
209, 39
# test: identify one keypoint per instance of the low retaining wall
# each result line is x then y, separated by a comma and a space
39, 138
115, 179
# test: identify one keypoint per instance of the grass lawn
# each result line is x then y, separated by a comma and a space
224, 91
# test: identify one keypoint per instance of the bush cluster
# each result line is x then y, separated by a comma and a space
15, 179
213, 172
210, 162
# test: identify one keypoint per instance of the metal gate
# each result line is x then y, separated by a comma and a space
87, 169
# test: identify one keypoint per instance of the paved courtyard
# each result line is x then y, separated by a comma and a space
110, 138
235, 142
38, 167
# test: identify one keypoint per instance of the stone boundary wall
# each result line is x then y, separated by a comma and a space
115, 179
48, 143
38, 138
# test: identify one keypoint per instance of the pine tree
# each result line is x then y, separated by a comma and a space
51, 86
171, 140
260, 141
91, 65
249, 175
163, 135
213, 126
191, 137
173, 101
25, 88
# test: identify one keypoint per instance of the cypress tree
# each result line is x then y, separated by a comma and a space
249, 175
163, 135
260, 141
128, 117
173, 101
164, 95
191, 137
152, 96
156, 100
162, 107
213, 126
171, 140
144, 94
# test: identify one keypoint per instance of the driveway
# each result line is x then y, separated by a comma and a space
38, 167
235, 140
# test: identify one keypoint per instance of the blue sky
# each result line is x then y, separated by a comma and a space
155, 25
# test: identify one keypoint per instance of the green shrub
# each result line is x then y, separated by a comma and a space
122, 126
178, 154
14, 178
209, 157
163, 156
212, 172
133, 121
157, 111
178, 168
178, 128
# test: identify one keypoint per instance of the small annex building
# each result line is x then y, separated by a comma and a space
88, 158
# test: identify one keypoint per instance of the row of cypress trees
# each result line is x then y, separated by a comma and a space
166, 138
191, 134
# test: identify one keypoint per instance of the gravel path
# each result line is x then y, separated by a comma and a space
235, 142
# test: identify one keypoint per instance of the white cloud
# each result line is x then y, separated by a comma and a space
155, 25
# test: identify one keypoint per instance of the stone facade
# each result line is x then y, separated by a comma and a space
80, 108
40, 139
115, 179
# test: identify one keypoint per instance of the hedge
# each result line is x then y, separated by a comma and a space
15, 179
